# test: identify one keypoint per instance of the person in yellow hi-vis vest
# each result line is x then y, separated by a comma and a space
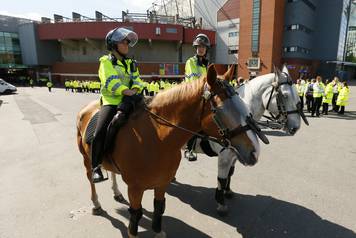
301, 90
336, 89
327, 97
196, 66
343, 98
120, 90
318, 92
49, 85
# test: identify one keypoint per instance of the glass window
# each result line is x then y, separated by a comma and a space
171, 30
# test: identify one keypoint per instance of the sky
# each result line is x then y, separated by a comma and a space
35, 9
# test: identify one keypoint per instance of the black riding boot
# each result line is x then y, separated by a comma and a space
188, 152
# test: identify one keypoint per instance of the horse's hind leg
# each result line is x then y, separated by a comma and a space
117, 194
135, 197
97, 210
159, 204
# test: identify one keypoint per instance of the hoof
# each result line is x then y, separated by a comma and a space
222, 210
229, 194
120, 198
97, 211
162, 234
129, 234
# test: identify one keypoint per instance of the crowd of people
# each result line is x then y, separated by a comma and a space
319, 94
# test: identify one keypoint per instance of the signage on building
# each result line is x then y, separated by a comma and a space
254, 63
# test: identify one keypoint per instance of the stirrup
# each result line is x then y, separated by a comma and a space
97, 175
190, 156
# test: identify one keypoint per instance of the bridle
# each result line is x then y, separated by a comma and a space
226, 133
282, 116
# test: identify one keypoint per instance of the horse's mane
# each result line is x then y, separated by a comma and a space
181, 92
257, 81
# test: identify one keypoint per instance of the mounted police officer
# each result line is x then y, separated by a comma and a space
195, 67
120, 91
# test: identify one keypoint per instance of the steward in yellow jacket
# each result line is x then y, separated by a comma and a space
343, 98
327, 97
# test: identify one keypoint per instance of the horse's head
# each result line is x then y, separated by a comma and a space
288, 105
227, 117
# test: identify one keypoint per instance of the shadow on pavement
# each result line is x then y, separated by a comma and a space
172, 226
261, 216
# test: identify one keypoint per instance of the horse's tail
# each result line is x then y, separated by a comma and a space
80, 132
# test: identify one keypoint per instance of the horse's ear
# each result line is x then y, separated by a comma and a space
211, 75
229, 75
277, 72
285, 69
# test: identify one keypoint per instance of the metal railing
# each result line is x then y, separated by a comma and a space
148, 17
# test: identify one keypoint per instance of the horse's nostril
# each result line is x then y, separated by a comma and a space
253, 158
292, 131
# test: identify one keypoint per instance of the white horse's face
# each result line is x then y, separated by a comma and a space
285, 102
290, 100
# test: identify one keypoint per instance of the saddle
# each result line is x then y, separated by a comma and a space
111, 132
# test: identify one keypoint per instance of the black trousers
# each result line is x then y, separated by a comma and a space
106, 113
325, 108
309, 102
342, 110
301, 102
335, 107
316, 106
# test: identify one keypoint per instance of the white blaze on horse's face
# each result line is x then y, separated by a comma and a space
232, 113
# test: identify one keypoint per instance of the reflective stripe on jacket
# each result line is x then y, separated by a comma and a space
193, 70
115, 79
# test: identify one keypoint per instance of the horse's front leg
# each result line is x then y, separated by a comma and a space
117, 194
225, 161
159, 204
135, 210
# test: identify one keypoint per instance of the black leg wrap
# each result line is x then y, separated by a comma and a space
219, 196
135, 216
219, 193
231, 172
159, 208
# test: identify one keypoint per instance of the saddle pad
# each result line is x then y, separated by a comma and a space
205, 146
89, 132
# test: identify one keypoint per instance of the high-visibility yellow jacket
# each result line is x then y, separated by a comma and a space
318, 89
49, 84
343, 97
193, 70
300, 89
115, 79
328, 96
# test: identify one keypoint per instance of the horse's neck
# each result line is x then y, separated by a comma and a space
253, 93
180, 105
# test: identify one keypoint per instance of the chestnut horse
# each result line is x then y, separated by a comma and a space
147, 150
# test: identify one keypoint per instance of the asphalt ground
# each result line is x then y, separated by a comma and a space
302, 186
